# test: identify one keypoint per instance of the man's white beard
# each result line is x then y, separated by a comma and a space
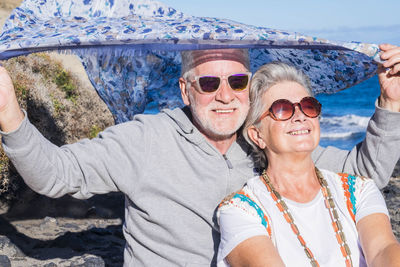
209, 127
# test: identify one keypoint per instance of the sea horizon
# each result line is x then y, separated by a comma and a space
345, 114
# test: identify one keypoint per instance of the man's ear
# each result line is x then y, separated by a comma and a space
255, 136
184, 91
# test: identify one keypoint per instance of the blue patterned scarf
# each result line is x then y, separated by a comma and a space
130, 49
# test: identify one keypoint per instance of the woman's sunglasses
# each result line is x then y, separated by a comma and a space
283, 109
209, 84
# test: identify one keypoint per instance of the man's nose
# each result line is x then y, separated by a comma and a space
225, 93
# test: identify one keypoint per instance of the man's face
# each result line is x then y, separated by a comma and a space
220, 114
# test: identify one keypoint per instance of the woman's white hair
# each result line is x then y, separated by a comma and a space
265, 77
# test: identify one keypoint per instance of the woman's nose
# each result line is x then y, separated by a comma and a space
298, 113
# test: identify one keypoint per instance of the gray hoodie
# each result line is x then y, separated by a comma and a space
173, 179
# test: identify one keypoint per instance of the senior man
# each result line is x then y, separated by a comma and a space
175, 167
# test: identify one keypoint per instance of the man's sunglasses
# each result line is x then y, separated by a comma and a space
283, 109
209, 84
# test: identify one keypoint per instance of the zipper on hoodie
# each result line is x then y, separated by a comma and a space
230, 166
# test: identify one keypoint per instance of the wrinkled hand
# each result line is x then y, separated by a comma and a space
389, 77
11, 115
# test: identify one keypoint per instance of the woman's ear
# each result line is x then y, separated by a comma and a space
184, 91
255, 136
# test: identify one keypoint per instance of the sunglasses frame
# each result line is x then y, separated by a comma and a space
222, 78
270, 112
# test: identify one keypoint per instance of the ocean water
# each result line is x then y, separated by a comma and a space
345, 114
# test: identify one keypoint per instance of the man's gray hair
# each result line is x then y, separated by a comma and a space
265, 77
187, 61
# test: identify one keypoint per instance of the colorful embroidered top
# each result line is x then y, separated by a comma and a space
348, 184
252, 211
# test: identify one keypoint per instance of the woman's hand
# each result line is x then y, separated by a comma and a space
11, 115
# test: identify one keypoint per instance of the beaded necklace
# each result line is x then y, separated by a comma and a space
329, 204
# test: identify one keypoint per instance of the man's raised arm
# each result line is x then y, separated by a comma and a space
11, 115
378, 154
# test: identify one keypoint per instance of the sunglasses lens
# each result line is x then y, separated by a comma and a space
282, 109
310, 107
209, 84
238, 82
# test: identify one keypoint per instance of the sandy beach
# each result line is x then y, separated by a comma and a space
51, 237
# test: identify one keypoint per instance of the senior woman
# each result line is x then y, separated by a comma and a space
294, 214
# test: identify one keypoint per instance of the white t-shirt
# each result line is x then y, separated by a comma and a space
252, 212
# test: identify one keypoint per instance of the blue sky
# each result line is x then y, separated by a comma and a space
344, 20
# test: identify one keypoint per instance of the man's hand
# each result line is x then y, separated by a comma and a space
389, 77
11, 115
